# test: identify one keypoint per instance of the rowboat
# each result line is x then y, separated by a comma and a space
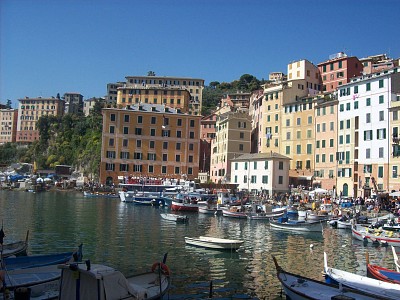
302, 288
210, 210
174, 218
214, 243
381, 273
33, 261
16, 248
88, 194
369, 235
96, 281
396, 259
381, 289
296, 225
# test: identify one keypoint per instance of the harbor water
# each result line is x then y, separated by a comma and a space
131, 238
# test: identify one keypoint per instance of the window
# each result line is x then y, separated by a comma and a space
381, 83
381, 99
179, 122
341, 108
177, 157
151, 169
164, 169
368, 86
309, 149
367, 135
368, 102
112, 117
356, 89
287, 150
394, 171
191, 135
191, 123
381, 133
298, 121
368, 118
165, 157
341, 125
178, 146
191, 147
110, 167
368, 153
298, 149
124, 167
138, 143
266, 165
126, 118
340, 139
280, 180
381, 115
348, 106
152, 132
165, 145
380, 172
280, 165
124, 155
265, 179
347, 138
323, 143
355, 104
151, 156
111, 142
331, 143
332, 126
110, 154
241, 147
112, 129
138, 131
381, 152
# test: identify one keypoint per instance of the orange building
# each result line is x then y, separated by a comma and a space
149, 140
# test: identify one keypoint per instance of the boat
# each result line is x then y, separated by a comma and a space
33, 261
95, 281
375, 236
214, 243
298, 287
381, 273
264, 215
16, 248
381, 289
396, 259
144, 198
88, 194
283, 223
174, 217
210, 210
183, 205
234, 212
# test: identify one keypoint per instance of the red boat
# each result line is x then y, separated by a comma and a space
381, 273
184, 206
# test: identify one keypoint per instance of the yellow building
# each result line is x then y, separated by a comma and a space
149, 140
171, 97
29, 112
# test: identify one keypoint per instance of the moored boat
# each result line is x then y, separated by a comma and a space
284, 223
370, 235
381, 289
184, 206
16, 248
174, 218
264, 216
95, 281
214, 243
299, 287
88, 194
234, 212
396, 259
381, 273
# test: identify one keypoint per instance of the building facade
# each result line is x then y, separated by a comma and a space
8, 125
149, 140
73, 103
29, 112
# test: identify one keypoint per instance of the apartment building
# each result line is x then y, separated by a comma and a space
377, 63
277, 76
207, 134
88, 104
325, 116
339, 70
266, 173
29, 112
73, 103
238, 100
364, 148
169, 96
149, 140
112, 91
394, 140
255, 111
8, 125
194, 86
232, 139
303, 69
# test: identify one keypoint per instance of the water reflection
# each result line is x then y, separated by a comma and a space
131, 238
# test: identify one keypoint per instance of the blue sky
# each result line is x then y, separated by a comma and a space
49, 47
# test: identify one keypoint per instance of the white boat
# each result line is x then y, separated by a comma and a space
381, 289
234, 212
297, 287
174, 217
210, 210
214, 243
375, 236
92, 282
296, 225
264, 215
396, 259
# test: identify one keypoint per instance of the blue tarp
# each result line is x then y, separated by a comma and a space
16, 177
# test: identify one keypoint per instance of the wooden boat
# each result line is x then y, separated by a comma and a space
214, 243
296, 225
34, 261
375, 236
183, 206
396, 259
95, 281
381, 289
299, 288
381, 273
234, 212
16, 248
174, 218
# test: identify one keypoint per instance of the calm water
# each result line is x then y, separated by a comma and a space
131, 238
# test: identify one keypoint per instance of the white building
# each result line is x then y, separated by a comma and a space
261, 172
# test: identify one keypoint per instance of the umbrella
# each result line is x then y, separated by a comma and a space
47, 179
320, 191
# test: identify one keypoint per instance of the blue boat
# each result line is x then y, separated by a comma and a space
34, 261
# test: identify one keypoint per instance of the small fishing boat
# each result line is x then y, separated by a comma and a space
33, 261
184, 206
17, 248
95, 281
381, 289
375, 235
174, 218
210, 210
264, 216
214, 243
234, 212
396, 259
302, 288
284, 223
381, 273
89, 194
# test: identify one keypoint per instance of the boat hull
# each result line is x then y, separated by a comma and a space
214, 243
297, 226
177, 206
360, 233
234, 214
